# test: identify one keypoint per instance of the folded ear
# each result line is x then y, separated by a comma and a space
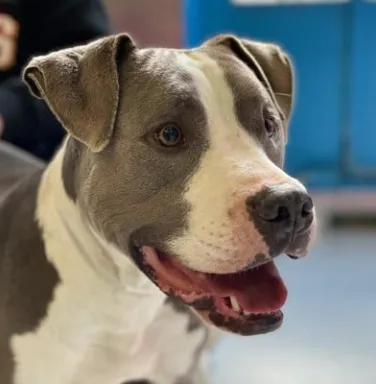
271, 65
81, 87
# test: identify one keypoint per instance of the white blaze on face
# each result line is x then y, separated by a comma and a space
220, 238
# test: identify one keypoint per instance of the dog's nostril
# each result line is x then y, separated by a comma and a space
307, 207
280, 214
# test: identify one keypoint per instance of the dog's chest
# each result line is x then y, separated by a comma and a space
163, 353
89, 340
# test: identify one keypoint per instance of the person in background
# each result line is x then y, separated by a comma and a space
29, 28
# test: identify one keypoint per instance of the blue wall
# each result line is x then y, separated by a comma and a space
333, 46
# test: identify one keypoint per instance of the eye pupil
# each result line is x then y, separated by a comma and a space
169, 136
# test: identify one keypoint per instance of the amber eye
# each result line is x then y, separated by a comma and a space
271, 127
170, 136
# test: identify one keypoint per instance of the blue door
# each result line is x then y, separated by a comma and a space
361, 130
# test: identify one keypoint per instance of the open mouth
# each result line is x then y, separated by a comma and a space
247, 302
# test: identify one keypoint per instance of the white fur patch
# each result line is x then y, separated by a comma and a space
107, 323
220, 238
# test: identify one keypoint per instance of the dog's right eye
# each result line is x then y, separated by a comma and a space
271, 127
169, 135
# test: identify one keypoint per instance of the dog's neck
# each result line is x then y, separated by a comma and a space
75, 246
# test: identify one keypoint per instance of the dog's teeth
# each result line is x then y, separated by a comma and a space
247, 313
234, 303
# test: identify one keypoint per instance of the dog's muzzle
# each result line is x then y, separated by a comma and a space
247, 298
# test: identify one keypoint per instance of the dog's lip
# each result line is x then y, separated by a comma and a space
234, 298
248, 326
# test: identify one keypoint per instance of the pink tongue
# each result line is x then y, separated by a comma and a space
257, 290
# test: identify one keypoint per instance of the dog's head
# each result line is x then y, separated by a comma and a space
175, 157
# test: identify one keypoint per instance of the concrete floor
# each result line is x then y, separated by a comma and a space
328, 335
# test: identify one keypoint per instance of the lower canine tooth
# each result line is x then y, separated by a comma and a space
234, 303
247, 313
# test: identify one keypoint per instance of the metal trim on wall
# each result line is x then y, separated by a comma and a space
249, 3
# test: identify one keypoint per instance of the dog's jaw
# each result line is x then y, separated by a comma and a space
246, 303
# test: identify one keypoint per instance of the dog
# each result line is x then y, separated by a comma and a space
154, 228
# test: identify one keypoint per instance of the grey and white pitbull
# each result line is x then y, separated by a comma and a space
167, 196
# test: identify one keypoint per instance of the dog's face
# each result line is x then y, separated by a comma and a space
175, 157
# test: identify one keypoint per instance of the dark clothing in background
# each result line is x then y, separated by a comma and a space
45, 26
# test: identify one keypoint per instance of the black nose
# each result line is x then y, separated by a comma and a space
283, 209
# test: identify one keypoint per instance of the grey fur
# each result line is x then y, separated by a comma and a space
27, 279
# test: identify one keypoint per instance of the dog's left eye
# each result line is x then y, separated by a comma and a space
170, 135
271, 127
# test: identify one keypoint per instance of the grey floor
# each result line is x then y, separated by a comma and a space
328, 335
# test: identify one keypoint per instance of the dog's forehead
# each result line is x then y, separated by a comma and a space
165, 68
157, 87
201, 70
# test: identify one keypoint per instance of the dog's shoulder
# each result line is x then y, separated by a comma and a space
27, 279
